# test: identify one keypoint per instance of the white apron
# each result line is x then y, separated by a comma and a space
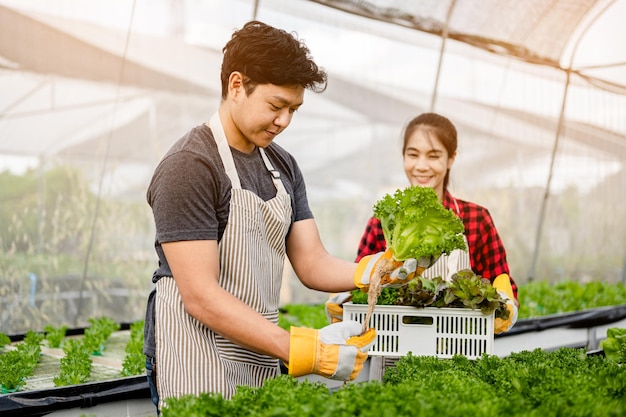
191, 358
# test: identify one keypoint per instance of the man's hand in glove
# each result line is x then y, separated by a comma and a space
337, 351
400, 273
502, 284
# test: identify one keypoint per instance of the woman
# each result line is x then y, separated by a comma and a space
429, 150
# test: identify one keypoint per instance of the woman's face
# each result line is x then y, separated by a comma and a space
426, 160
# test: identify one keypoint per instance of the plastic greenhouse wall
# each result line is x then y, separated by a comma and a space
94, 93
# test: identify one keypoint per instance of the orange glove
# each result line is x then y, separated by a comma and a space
400, 272
337, 351
334, 306
502, 284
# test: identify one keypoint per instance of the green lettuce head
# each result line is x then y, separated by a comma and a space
416, 224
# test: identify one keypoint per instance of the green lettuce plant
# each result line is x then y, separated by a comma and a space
18, 364
416, 224
614, 345
76, 365
134, 361
464, 290
55, 335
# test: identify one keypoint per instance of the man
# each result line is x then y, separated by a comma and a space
228, 205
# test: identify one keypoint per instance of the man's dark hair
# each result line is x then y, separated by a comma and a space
267, 55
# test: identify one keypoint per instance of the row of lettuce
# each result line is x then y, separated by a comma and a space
565, 382
19, 361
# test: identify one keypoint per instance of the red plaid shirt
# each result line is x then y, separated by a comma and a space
487, 253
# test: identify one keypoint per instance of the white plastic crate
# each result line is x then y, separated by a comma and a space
429, 331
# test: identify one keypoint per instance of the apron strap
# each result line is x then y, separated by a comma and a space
275, 174
453, 264
224, 150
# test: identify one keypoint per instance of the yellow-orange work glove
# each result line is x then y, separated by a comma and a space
334, 306
502, 284
337, 351
401, 272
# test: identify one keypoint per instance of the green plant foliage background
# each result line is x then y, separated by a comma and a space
67, 255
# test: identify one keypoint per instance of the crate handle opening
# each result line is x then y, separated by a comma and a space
417, 320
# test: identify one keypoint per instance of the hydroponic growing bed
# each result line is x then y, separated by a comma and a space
107, 393
39, 394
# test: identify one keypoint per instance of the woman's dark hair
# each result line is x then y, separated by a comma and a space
267, 55
438, 125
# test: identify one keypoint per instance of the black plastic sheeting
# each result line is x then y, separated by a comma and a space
579, 319
70, 332
42, 402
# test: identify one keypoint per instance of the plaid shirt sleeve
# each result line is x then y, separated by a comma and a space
373, 240
487, 253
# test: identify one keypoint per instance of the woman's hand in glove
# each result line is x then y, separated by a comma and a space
334, 306
502, 284
396, 273
337, 351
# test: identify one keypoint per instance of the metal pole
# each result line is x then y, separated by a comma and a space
255, 10
41, 202
444, 37
546, 193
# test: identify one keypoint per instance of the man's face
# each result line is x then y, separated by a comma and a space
261, 115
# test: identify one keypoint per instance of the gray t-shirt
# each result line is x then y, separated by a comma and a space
190, 196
